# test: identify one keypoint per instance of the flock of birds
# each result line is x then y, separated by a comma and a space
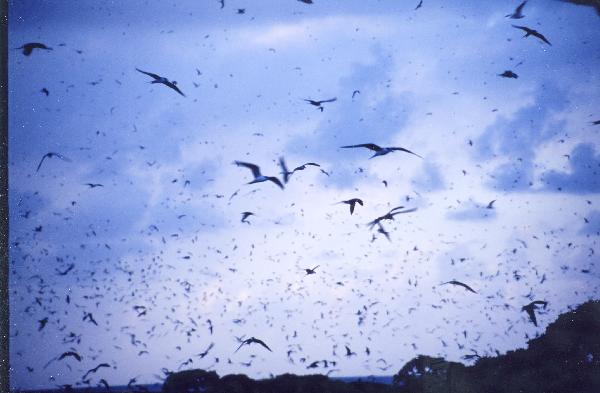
258, 177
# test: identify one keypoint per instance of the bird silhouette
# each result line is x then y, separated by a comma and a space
518, 13
454, 282
508, 74
490, 205
531, 307
311, 271
349, 351
532, 32
253, 340
50, 155
42, 323
95, 369
318, 104
352, 202
380, 151
258, 177
163, 80
29, 47
390, 215
245, 215
419, 5
70, 354
94, 185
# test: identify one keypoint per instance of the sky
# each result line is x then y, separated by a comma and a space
158, 254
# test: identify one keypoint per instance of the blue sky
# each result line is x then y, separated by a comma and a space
428, 82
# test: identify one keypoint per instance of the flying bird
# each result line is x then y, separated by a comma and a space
253, 340
245, 215
45, 91
508, 74
532, 32
518, 14
352, 202
349, 351
258, 177
163, 80
355, 92
70, 354
531, 307
380, 151
319, 103
306, 1
29, 47
419, 5
50, 155
42, 323
596, 122
454, 282
390, 215
95, 369
490, 205
311, 271
93, 185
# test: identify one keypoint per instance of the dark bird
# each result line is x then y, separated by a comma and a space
70, 354
222, 3
454, 282
349, 352
29, 47
390, 215
352, 202
380, 151
203, 354
42, 323
104, 383
596, 122
355, 92
241, 11
532, 32
258, 177
50, 155
419, 5
284, 170
508, 74
311, 271
245, 215
253, 340
490, 205
95, 369
318, 103
306, 1
90, 317
382, 230
518, 14
93, 185
531, 307
163, 80
64, 273
45, 91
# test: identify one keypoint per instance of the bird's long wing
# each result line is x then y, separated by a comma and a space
405, 211
276, 181
284, 170
174, 87
525, 29
541, 37
149, 74
405, 150
301, 167
370, 146
261, 342
241, 345
254, 168
41, 161
329, 100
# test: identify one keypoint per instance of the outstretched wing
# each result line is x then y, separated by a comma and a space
404, 211
370, 146
174, 87
261, 342
405, 150
149, 74
329, 100
284, 170
241, 345
41, 161
541, 37
254, 168
276, 181
525, 29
